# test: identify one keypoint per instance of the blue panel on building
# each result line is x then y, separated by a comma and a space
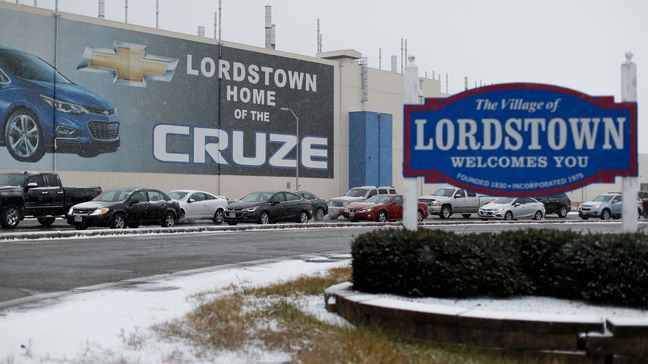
370, 149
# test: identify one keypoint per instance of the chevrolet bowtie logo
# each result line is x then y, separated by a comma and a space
129, 64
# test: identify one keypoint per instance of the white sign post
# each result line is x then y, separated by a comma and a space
630, 184
410, 201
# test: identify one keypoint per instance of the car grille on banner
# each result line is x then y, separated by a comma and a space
104, 131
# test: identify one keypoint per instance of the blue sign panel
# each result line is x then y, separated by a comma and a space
520, 139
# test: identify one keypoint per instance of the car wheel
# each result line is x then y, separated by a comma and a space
605, 214
303, 217
508, 216
562, 212
264, 218
23, 136
134, 224
319, 214
168, 221
46, 221
446, 212
419, 215
118, 221
219, 216
466, 216
382, 216
10, 217
537, 216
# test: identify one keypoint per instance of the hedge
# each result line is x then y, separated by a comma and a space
595, 267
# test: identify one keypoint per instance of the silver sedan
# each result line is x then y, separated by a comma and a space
512, 208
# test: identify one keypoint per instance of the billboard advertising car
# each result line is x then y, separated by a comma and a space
521, 139
90, 97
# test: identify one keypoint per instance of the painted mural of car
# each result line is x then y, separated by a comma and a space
41, 111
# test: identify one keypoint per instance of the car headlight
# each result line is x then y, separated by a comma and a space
252, 209
71, 211
365, 210
101, 211
64, 106
436, 203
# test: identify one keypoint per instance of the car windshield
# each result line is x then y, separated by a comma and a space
356, 192
603, 198
30, 67
379, 199
257, 197
445, 192
113, 196
177, 195
504, 200
12, 179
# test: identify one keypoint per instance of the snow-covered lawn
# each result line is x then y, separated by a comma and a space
114, 325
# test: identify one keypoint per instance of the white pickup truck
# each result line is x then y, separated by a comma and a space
447, 201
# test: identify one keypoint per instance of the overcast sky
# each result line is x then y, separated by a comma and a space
574, 43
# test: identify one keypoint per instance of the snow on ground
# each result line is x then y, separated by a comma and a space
113, 324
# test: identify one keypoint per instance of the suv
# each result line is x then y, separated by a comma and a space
558, 204
356, 194
605, 206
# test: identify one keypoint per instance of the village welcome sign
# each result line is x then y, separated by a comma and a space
520, 139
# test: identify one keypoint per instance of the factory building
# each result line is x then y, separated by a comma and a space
111, 104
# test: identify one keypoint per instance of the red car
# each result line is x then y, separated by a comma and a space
381, 208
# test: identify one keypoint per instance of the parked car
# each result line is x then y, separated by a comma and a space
38, 194
558, 204
447, 201
318, 208
605, 206
382, 208
34, 94
266, 207
512, 208
197, 205
355, 194
121, 207
643, 196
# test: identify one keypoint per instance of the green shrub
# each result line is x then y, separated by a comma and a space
600, 268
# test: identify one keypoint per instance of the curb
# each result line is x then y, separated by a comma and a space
568, 335
61, 234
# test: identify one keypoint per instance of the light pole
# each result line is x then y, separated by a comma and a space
297, 132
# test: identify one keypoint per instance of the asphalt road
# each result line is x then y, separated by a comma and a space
29, 267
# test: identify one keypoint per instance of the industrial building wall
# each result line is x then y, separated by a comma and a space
193, 106
385, 95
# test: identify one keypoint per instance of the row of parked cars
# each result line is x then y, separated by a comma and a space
382, 203
43, 196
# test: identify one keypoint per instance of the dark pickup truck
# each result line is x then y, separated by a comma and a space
38, 194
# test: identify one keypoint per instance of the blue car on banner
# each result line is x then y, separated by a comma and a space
42, 111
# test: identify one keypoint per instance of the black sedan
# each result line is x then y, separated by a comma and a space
319, 207
123, 207
265, 207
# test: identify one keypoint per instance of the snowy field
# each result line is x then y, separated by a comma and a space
114, 324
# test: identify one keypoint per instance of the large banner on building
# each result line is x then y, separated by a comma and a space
86, 97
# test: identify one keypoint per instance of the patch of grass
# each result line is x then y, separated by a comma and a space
270, 318
304, 285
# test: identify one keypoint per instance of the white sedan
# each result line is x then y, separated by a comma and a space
512, 208
197, 205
